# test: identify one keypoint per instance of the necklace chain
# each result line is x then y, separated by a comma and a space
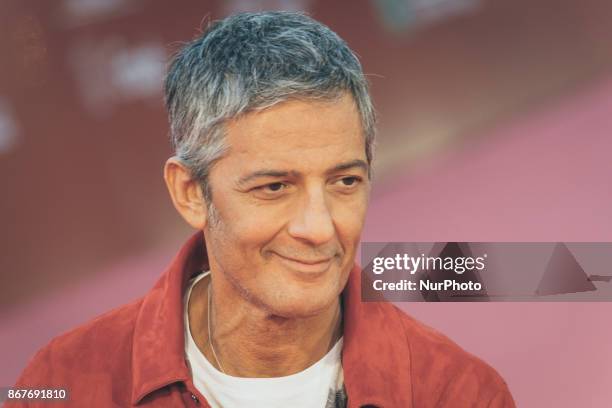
210, 339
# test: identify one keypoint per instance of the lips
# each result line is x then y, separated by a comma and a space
318, 265
307, 261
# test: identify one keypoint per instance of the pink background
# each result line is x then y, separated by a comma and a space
547, 177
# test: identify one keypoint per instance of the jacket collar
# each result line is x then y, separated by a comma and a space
375, 356
158, 354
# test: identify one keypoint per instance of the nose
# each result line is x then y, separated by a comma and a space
313, 220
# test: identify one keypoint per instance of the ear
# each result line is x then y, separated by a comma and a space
186, 193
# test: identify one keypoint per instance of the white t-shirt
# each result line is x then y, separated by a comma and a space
319, 386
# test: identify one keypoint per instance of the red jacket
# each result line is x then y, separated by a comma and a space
135, 355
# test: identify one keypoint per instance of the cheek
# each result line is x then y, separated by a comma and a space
249, 228
242, 220
349, 216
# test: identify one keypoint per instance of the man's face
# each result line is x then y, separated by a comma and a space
290, 198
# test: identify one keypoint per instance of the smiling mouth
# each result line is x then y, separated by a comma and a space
312, 266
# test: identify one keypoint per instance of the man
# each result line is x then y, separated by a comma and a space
273, 130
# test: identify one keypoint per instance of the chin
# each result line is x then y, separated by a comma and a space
296, 311
302, 303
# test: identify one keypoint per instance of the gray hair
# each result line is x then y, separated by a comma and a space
248, 62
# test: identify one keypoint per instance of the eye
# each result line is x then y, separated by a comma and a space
271, 190
348, 183
273, 187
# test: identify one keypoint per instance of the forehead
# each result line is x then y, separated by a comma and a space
297, 132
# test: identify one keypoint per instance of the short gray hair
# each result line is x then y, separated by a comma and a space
248, 62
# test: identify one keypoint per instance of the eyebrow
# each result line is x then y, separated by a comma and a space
282, 173
349, 165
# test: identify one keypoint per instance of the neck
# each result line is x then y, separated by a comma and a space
252, 342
